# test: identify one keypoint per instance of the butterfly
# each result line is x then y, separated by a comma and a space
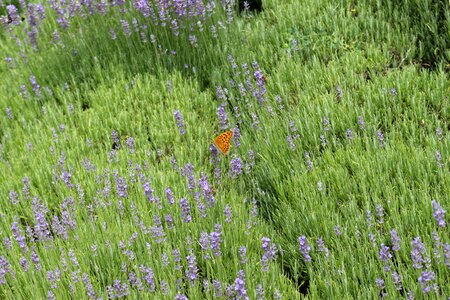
222, 141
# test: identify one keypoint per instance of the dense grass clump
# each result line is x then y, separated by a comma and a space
336, 186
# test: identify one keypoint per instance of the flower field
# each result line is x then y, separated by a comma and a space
216, 149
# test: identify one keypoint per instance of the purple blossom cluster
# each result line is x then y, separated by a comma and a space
419, 256
235, 167
438, 213
293, 135
269, 254
222, 115
385, 256
304, 248
180, 122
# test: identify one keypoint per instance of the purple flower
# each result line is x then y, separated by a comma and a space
395, 240
323, 140
115, 139
372, 239
177, 259
259, 292
250, 161
380, 283
279, 101
270, 251
217, 286
149, 278
239, 286
181, 297
157, 231
221, 93
18, 236
393, 92
206, 190
437, 245
215, 239
13, 197
59, 228
175, 27
227, 213
126, 27
35, 86
51, 295
255, 119
135, 281
185, 210
121, 187
118, 290
54, 277
446, 250
41, 228
189, 172
438, 213
192, 270
169, 195
169, 221
369, 218
418, 254
35, 260
164, 287
304, 248
243, 255
223, 117
397, 280
24, 91
180, 122
237, 136
13, 14
149, 192
385, 256
290, 141
204, 242
65, 176
379, 212
349, 134
309, 163
321, 247
89, 288
326, 124
130, 144
425, 281
260, 89
235, 167
24, 263
5, 268
73, 258
438, 156
36, 13
113, 33
9, 113
337, 230
193, 40
380, 137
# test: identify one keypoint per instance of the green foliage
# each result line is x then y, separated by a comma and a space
345, 63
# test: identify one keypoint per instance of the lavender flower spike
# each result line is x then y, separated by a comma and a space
438, 213
180, 122
304, 248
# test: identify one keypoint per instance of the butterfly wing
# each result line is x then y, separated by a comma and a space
222, 141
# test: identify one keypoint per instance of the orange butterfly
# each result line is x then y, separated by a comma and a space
222, 141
